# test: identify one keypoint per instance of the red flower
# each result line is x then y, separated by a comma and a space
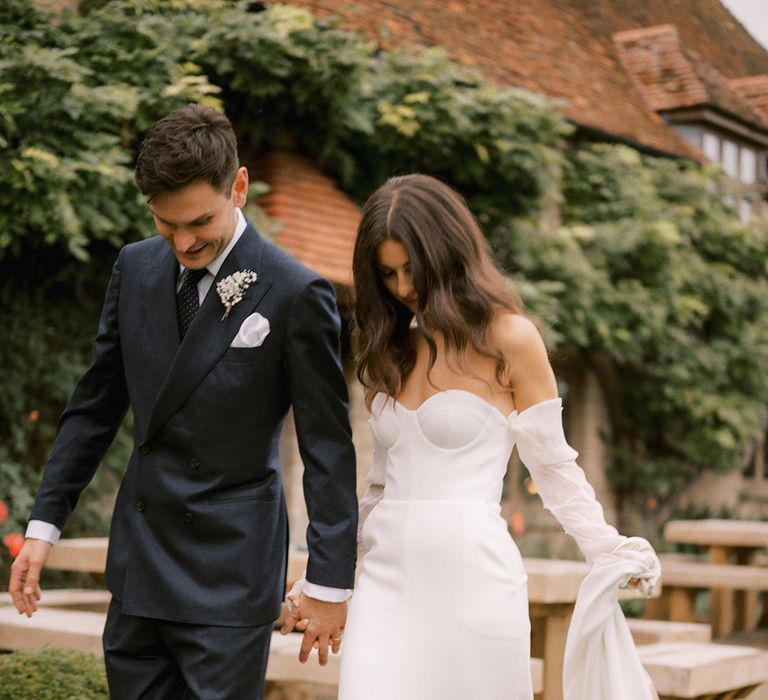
34, 416
3, 512
517, 521
14, 541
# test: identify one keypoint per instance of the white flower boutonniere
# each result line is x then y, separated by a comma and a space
231, 289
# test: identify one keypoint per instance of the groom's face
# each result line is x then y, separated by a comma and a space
197, 221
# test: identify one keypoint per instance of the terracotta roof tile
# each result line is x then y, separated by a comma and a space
562, 48
755, 89
319, 221
670, 77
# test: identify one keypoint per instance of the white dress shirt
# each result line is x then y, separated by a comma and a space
41, 530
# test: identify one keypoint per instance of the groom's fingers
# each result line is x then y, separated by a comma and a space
24, 585
322, 651
307, 643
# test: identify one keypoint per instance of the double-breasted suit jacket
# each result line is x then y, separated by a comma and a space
199, 531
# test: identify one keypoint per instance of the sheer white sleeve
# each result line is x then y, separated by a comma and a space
375, 491
561, 482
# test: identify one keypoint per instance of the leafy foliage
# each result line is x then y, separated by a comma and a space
650, 277
75, 97
366, 114
653, 272
52, 674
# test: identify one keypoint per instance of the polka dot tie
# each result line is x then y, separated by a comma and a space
187, 299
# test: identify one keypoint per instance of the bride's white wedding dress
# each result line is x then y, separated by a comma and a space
440, 611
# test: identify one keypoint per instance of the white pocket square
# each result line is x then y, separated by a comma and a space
252, 333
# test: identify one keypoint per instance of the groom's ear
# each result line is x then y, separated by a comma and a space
240, 187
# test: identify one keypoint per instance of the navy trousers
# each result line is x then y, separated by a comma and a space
150, 659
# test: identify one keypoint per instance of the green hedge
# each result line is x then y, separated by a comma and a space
52, 674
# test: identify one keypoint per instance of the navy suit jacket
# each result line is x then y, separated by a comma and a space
199, 530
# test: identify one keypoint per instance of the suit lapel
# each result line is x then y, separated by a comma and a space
160, 320
209, 336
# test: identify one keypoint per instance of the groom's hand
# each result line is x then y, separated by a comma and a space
324, 629
24, 586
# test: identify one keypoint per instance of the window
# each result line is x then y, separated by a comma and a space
730, 159
711, 146
748, 165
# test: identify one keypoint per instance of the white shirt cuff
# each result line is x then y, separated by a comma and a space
326, 593
40, 530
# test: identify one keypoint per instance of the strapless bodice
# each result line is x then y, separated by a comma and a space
454, 447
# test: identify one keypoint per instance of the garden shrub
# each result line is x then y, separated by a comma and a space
52, 674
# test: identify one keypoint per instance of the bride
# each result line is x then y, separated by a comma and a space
456, 376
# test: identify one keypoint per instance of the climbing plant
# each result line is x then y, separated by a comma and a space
648, 275
656, 282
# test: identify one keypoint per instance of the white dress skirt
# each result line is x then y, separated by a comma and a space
440, 611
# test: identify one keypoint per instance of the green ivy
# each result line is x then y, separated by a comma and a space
650, 277
365, 114
654, 273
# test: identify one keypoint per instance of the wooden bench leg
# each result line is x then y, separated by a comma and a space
549, 629
747, 603
681, 604
657, 608
721, 610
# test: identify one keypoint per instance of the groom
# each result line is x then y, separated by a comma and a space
209, 334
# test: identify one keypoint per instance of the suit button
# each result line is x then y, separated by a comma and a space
140, 506
145, 449
194, 463
187, 517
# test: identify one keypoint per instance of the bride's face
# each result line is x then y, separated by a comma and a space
395, 270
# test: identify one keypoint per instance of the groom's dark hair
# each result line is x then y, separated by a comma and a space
191, 144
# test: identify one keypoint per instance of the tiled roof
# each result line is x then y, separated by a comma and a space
670, 77
755, 89
562, 48
319, 221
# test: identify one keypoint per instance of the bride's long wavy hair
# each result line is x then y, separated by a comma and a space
458, 285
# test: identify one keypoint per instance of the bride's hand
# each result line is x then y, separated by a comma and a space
322, 623
294, 619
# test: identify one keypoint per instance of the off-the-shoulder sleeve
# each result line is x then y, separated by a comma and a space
375, 491
560, 481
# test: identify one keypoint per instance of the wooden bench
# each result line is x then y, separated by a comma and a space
87, 554
682, 578
689, 670
283, 665
55, 627
70, 599
82, 630
655, 631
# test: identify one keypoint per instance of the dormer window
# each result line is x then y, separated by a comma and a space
726, 119
739, 161
748, 165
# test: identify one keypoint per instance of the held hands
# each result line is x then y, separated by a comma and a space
321, 622
24, 586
